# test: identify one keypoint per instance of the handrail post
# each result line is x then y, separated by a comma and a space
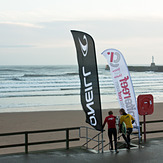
98, 144
141, 132
87, 137
79, 132
26, 143
144, 118
102, 141
67, 138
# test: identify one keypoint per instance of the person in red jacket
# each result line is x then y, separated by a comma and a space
111, 121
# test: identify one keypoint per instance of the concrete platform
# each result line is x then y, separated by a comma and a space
151, 153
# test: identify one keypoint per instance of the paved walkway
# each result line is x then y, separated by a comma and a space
151, 153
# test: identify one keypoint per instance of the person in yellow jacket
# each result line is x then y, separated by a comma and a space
128, 120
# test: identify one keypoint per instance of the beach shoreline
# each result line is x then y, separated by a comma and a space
43, 120
66, 113
61, 107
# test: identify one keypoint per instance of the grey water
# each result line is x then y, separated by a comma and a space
35, 86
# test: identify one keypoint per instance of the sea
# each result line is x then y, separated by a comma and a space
43, 88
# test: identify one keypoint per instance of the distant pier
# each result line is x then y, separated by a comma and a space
152, 67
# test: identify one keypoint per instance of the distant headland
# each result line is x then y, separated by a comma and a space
152, 67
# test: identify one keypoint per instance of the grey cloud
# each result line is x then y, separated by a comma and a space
58, 32
17, 46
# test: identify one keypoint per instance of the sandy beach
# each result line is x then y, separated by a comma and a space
30, 121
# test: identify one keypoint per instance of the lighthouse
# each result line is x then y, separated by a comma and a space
153, 63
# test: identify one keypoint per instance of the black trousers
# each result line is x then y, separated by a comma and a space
112, 132
127, 139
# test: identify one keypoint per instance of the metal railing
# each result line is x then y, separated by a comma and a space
26, 134
150, 132
98, 136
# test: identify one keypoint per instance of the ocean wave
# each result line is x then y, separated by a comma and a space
45, 75
30, 90
10, 70
36, 95
37, 75
16, 79
69, 74
47, 95
38, 85
64, 81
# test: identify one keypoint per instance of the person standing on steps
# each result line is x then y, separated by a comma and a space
128, 120
111, 121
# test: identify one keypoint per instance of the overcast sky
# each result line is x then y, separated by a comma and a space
37, 32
